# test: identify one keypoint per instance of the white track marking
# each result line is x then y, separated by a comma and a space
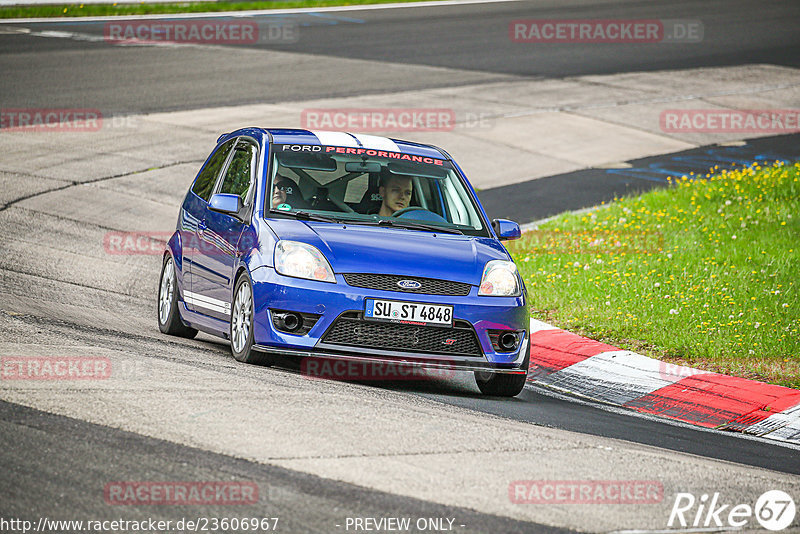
614, 378
258, 12
617, 377
537, 325
567, 396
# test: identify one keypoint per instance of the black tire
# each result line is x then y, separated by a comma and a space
169, 319
501, 384
242, 345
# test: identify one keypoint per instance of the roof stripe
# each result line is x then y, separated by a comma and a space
335, 138
377, 143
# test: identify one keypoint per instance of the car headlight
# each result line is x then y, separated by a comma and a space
500, 279
301, 260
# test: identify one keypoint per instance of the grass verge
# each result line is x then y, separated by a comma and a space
96, 10
703, 273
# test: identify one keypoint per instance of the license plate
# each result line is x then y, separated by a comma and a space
416, 313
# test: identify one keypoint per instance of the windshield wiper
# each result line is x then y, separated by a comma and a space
307, 216
399, 223
394, 223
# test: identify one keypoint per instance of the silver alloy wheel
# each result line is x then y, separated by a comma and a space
240, 322
166, 292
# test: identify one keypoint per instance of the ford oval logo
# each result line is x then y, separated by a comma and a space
409, 284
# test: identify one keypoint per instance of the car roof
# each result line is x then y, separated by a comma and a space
283, 136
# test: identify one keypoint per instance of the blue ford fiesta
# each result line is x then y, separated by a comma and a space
345, 246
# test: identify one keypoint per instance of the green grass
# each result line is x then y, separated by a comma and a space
94, 10
703, 273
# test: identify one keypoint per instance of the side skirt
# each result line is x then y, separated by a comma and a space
204, 323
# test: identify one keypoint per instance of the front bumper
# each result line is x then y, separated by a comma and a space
273, 291
407, 362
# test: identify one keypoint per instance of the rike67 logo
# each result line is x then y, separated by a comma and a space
774, 510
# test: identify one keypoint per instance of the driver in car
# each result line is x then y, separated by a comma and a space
396, 193
282, 191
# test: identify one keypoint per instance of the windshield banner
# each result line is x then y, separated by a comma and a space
320, 149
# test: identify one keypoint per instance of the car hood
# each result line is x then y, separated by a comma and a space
355, 248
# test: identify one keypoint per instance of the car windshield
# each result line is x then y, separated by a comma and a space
365, 186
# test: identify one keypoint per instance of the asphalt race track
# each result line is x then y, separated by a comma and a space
324, 452
459, 44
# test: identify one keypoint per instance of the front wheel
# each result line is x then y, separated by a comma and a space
499, 384
241, 330
169, 319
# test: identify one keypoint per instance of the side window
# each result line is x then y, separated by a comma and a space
208, 176
239, 175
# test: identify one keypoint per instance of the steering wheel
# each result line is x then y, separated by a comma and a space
403, 211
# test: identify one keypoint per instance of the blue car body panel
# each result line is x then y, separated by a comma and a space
211, 249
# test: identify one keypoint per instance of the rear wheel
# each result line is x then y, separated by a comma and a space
169, 319
241, 329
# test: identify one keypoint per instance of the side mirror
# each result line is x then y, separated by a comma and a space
225, 203
506, 230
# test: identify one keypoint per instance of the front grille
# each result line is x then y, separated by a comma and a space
349, 329
388, 282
